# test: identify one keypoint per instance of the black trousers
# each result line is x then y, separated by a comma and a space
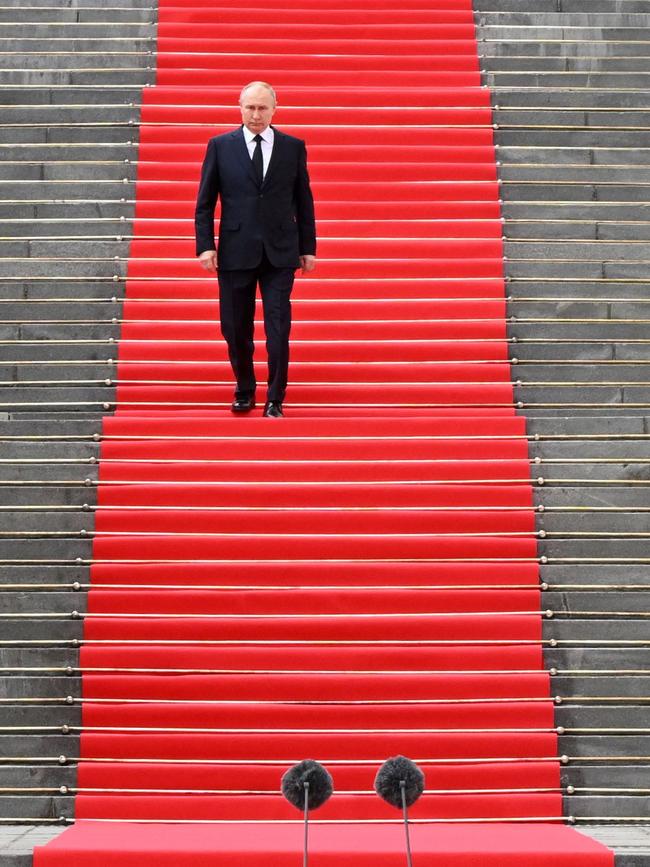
237, 290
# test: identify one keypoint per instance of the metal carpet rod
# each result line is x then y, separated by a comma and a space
147, 534
543, 560
563, 759
319, 461
197, 383
155, 507
544, 585
151, 642
596, 109
511, 299
570, 820
527, 320
112, 405
73, 729
66, 820
99, 437
557, 699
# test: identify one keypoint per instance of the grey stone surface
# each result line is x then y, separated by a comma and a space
38, 342
604, 158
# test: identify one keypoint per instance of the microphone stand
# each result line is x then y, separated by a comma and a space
402, 785
305, 856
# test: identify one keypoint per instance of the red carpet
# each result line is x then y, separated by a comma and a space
359, 579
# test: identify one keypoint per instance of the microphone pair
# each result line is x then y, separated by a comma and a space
399, 782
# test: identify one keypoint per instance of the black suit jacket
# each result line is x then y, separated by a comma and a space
277, 217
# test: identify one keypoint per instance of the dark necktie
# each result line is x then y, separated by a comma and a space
258, 163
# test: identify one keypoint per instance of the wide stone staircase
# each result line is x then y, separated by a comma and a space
572, 117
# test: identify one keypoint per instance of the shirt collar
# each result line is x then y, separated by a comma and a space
267, 135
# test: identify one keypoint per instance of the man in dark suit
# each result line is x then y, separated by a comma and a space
267, 230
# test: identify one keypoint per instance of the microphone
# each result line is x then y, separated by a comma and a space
400, 783
307, 786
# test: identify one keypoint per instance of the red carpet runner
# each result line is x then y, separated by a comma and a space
360, 578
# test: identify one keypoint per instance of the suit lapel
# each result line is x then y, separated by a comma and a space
241, 149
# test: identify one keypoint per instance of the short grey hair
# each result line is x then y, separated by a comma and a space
257, 84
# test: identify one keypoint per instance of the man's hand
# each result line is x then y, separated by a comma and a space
208, 260
307, 263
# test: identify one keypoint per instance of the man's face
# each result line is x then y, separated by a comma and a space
257, 109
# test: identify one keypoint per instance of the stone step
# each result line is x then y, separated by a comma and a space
562, 658
555, 79
597, 716
593, 746
42, 715
75, 133
29, 97
49, 806
559, 602
117, 59
38, 574
58, 686
28, 15
121, 113
83, 4
43, 686
71, 522
111, 228
135, 77
67, 171
620, 17
146, 41
540, 190
584, 156
504, 43
591, 230
523, 303
528, 373
545, 98
579, 573
36, 807
41, 746
576, 135
623, 717
600, 174
111, 231
93, 311
41, 399
614, 805
38, 520
604, 745
623, 94
600, 659
596, 32
537, 7
584, 776
594, 629
496, 63
590, 549
69, 427
41, 776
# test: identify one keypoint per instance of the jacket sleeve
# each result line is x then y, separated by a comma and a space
305, 207
206, 201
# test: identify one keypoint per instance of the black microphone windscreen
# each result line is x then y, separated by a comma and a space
389, 778
320, 784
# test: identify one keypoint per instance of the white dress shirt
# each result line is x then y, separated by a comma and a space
267, 146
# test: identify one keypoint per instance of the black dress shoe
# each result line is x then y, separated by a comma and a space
273, 409
243, 403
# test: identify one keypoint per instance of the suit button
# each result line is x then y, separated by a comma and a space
261, 195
